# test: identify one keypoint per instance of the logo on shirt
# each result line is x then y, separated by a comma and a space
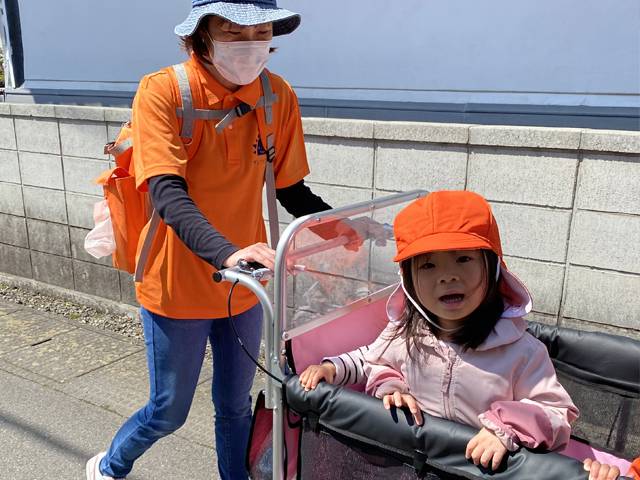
258, 148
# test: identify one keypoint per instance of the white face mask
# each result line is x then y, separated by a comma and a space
240, 62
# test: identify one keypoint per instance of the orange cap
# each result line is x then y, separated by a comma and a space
446, 220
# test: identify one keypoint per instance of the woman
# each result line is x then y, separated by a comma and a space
211, 207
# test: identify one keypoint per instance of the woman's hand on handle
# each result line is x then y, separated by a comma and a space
400, 400
258, 252
312, 375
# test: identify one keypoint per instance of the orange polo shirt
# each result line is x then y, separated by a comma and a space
225, 180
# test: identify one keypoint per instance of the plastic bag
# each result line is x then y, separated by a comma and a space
100, 241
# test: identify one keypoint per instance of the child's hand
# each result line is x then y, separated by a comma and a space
486, 448
403, 400
600, 471
312, 375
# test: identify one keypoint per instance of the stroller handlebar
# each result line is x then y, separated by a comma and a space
255, 270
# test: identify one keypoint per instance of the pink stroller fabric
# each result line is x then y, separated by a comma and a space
358, 327
260, 451
581, 451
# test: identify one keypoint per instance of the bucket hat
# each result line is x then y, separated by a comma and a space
240, 12
457, 220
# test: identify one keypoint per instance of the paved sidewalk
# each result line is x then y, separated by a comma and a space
65, 388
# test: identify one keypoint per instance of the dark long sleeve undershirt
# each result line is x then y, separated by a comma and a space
170, 197
299, 200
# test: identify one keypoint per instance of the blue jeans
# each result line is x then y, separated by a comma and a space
175, 351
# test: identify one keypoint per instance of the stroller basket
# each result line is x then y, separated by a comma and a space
350, 435
346, 434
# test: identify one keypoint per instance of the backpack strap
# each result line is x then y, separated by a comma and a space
186, 111
268, 142
117, 149
146, 246
269, 97
190, 131
228, 116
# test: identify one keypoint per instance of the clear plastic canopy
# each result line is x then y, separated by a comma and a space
339, 261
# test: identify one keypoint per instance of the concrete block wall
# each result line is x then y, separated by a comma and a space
48, 158
567, 200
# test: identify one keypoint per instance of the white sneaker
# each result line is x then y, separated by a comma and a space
93, 468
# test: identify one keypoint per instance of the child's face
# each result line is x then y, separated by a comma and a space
451, 284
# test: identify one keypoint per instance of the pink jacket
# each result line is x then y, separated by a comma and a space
508, 384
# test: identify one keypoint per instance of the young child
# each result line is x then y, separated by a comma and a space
456, 345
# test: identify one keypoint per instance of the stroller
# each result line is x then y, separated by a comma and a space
330, 298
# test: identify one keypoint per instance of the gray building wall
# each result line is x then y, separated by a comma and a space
569, 53
574, 63
567, 200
